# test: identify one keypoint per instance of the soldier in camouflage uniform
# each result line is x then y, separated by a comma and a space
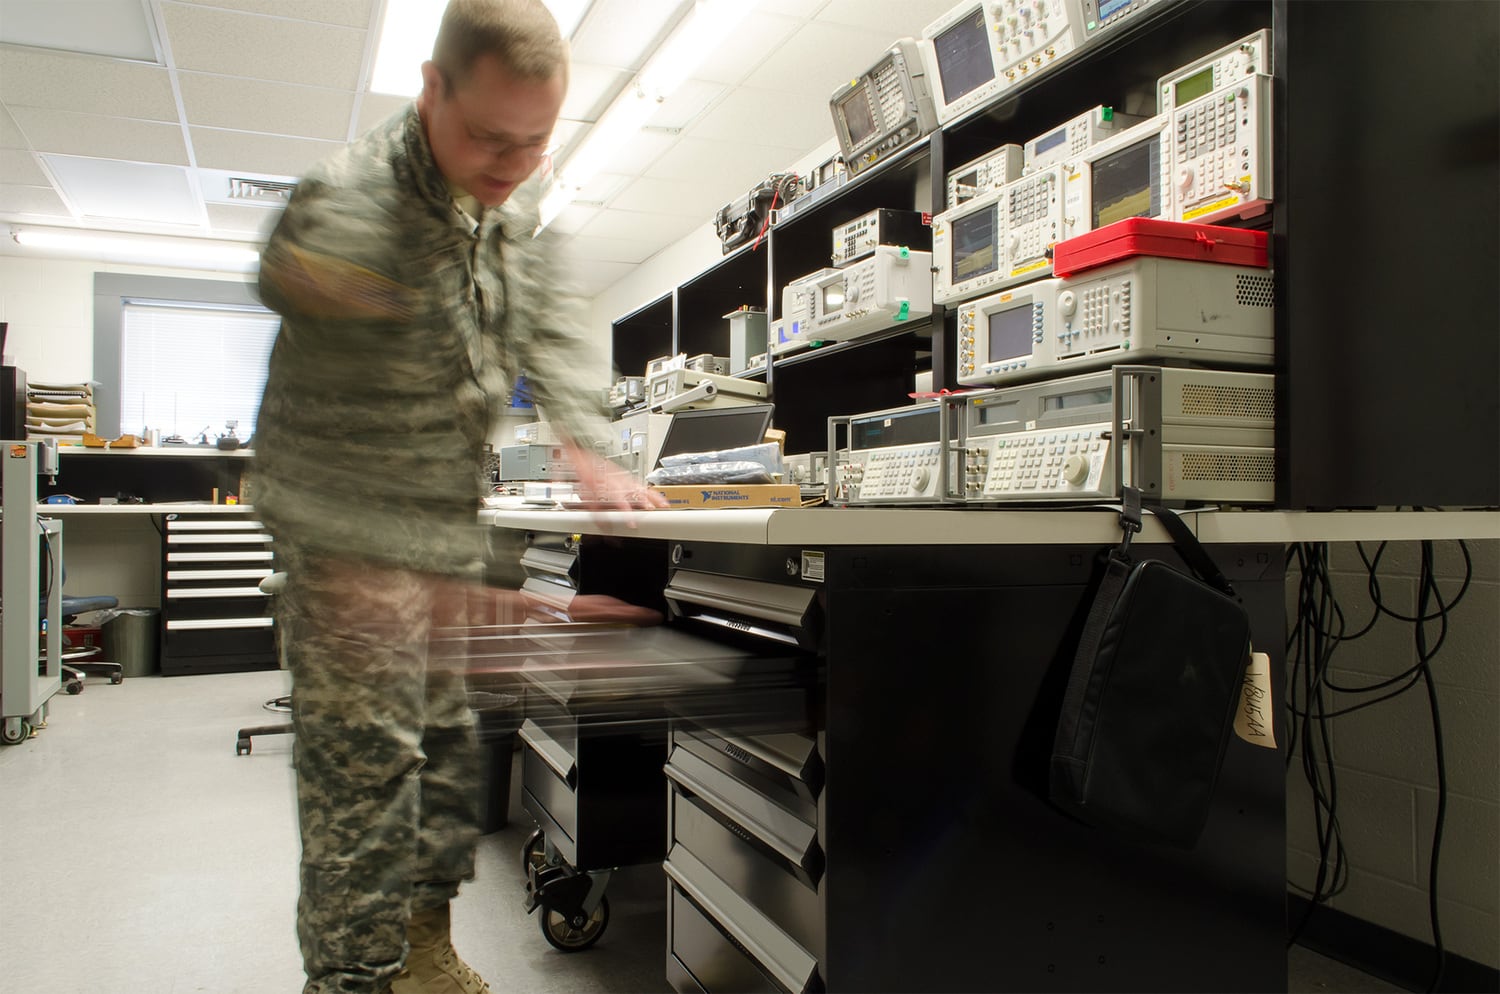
412, 292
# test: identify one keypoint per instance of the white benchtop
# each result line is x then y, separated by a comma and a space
825, 526
70, 510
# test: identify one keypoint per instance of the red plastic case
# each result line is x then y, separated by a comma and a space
1170, 239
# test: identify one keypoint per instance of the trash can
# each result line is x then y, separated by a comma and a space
132, 639
498, 718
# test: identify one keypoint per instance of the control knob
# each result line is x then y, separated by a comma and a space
1067, 303
1075, 470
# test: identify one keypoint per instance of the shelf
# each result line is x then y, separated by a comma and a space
172, 451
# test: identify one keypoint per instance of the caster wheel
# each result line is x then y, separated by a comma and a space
242, 747
15, 733
117, 678
573, 936
533, 852
75, 687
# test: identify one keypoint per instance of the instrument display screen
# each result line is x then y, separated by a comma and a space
976, 248
859, 118
963, 56
920, 424
1010, 333
1127, 183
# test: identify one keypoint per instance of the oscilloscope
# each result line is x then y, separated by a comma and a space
886, 108
1125, 176
1144, 308
980, 49
1219, 108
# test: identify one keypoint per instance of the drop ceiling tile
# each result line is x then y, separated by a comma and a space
895, 18
756, 38
20, 168
666, 196
687, 104
636, 156
102, 137
114, 28
817, 59
792, 8
748, 113
582, 249
572, 219
593, 278
648, 226
272, 108
349, 13
264, 47
591, 89
38, 201
694, 158
376, 108
232, 219
619, 33
258, 153
87, 84
133, 191
11, 135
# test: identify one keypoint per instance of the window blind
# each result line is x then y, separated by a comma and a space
189, 367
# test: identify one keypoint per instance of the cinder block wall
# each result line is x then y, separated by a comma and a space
1384, 758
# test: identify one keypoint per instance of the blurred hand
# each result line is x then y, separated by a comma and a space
610, 486
603, 609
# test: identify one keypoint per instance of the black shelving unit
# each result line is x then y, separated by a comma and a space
1383, 307
643, 335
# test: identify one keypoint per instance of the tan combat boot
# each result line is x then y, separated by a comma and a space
432, 967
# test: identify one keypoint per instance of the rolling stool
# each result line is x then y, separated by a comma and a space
76, 663
272, 585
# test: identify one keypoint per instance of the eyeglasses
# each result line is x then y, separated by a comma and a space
500, 148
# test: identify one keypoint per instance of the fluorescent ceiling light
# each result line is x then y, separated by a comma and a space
117, 28
698, 36
185, 253
408, 29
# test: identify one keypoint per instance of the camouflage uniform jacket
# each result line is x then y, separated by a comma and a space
404, 324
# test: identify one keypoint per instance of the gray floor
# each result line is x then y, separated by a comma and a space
138, 853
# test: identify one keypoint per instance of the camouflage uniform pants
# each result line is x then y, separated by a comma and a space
387, 762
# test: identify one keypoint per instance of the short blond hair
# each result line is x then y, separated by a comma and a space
521, 34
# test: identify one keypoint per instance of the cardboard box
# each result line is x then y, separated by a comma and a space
713, 495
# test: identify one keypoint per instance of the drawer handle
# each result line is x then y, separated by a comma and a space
797, 856
558, 759
681, 866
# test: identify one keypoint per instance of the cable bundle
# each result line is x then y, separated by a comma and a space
1319, 629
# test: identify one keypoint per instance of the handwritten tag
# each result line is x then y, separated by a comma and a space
1252, 719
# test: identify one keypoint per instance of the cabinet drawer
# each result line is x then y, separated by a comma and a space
722, 941
550, 776
765, 878
792, 785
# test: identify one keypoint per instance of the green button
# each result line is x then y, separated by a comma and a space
905, 252
1108, 113
904, 312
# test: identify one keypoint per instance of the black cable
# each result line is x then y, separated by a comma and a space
1427, 587
1319, 628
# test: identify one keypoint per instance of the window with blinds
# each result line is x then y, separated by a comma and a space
189, 367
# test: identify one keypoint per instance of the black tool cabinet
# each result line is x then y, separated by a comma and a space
895, 835
214, 616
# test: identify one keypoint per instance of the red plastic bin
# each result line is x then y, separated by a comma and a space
1169, 239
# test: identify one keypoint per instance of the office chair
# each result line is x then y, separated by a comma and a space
272, 585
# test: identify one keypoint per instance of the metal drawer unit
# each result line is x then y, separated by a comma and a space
864, 850
745, 864
214, 617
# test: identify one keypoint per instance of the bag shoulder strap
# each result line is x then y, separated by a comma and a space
1188, 547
